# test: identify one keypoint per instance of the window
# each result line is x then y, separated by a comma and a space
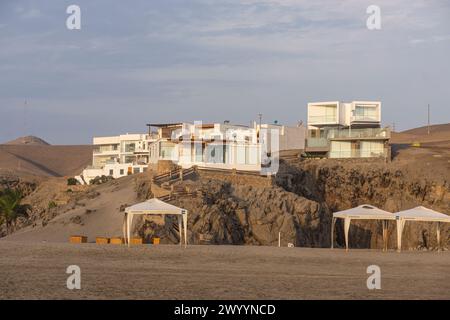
340, 149
366, 113
130, 147
372, 149
136, 170
122, 172
323, 114
111, 172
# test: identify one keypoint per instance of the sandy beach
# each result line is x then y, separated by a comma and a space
37, 271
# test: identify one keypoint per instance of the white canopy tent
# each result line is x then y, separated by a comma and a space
363, 212
156, 206
421, 214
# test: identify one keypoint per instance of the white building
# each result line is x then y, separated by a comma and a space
365, 114
225, 146
347, 130
118, 156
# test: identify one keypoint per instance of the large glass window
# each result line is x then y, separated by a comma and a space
130, 147
166, 150
364, 113
340, 149
215, 153
323, 114
372, 149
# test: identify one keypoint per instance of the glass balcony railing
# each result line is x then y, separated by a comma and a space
317, 142
322, 119
359, 133
365, 118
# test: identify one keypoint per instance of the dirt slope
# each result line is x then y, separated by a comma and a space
44, 160
91, 211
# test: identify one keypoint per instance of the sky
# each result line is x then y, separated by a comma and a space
138, 62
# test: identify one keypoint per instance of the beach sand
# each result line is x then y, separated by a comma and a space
37, 271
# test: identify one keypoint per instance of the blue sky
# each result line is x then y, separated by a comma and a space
135, 62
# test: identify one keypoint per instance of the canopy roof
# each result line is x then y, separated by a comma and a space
154, 206
364, 211
422, 214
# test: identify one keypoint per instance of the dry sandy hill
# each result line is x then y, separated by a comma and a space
94, 211
33, 156
29, 140
431, 156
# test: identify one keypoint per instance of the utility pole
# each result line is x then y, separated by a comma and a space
428, 118
260, 123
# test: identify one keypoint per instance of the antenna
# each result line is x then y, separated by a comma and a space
428, 118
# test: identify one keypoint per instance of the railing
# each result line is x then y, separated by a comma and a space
106, 150
316, 142
172, 176
365, 118
359, 133
323, 119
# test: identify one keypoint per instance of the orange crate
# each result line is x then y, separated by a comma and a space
116, 241
156, 240
78, 239
101, 240
136, 241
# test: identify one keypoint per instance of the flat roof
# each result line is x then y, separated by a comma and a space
164, 125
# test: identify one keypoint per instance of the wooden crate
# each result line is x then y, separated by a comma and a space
136, 241
78, 239
101, 240
156, 240
116, 241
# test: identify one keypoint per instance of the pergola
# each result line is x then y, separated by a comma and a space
363, 212
368, 212
421, 214
157, 207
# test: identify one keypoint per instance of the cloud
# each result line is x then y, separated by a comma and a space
217, 59
28, 13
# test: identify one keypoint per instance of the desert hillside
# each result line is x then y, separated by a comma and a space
28, 140
33, 156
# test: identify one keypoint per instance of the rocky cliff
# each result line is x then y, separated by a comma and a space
299, 203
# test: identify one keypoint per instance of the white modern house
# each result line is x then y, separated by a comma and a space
225, 146
256, 148
366, 114
118, 156
347, 130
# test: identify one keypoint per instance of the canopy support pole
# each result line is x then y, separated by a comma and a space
333, 223
185, 213
129, 225
438, 235
180, 230
384, 224
346, 230
124, 227
400, 225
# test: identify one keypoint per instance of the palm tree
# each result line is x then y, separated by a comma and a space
10, 208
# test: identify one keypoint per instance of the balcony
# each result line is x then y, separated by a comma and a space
105, 151
366, 133
327, 119
317, 142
